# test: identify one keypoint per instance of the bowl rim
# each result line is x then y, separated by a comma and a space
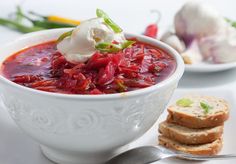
175, 76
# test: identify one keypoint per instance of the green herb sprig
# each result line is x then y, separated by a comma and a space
64, 35
205, 107
101, 14
184, 102
111, 47
105, 46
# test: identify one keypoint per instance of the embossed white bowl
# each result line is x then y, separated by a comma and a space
75, 129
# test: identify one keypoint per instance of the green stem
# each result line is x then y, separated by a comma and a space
19, 16
38, 15
64, 35
19, 27
22, 15
45, 23
233, 23
101, 14
49, 25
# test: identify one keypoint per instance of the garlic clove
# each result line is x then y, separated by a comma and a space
192, 55
172, 40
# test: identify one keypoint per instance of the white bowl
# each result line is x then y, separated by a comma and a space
84, 129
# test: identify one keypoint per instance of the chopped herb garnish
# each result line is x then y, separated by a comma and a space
101, 14
127, 43
111, 47
104, 46
64, 35
205, 107
108, 47
184, 102
122, 87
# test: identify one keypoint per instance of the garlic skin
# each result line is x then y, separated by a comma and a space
220, 48
192, 55
196, 20
173, 40
80, 46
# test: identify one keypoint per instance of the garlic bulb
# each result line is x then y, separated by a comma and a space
196, 20
220, 48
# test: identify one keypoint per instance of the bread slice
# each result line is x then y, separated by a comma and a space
190, 136
204, 149
195, 116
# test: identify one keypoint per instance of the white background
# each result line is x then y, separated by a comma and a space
133, 16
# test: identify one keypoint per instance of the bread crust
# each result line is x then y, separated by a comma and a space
197, 118
196, 122
212, 148
203, 136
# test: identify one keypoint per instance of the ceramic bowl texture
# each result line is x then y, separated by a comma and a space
84, 129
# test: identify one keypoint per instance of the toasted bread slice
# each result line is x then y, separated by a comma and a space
190, 136
194, 116
204, 149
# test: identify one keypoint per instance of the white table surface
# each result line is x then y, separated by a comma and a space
133, 16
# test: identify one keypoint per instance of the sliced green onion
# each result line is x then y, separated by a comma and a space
111, 47
127, 43
205, 107
64, 35
108, 47
184, 102
101, 14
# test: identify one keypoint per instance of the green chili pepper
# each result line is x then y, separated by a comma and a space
18, 26
108, 21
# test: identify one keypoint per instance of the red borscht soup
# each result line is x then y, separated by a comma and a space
42, 67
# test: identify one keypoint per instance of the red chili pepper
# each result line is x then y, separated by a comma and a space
152, 29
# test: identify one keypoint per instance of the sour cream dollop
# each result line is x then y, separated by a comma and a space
80, 46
